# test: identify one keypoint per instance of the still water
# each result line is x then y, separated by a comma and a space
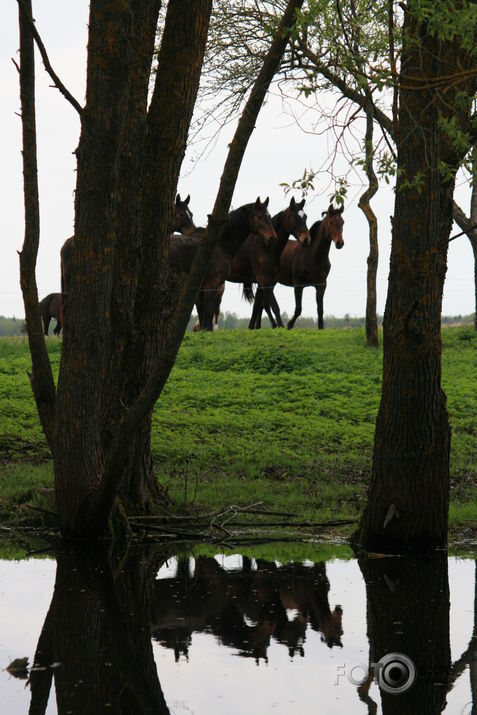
234, 634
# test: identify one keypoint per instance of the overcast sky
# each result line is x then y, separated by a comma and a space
278, 152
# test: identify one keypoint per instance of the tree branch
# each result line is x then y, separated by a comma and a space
44, 56
42, 377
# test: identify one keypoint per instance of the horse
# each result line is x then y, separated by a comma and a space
51, 307
257, 262
250, 218
182, 222
182, 218
302, 266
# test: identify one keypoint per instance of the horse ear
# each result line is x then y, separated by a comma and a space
178, 199
257, 203
292, 202
301, 204
341, 209
265, 203
331, 210
187, 200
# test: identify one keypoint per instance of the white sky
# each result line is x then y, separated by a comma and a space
278, 152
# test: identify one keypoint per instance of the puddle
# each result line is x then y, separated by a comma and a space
238, 634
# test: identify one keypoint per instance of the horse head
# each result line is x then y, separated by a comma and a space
333, 223
182, 217
294, 219
260, 221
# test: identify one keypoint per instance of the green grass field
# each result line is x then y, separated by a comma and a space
286, 418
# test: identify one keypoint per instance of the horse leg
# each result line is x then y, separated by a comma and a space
264, 305
297, 313
207, 318
273, 305
199, 304
320, 291
256, 318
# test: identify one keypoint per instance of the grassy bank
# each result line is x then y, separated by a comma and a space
286, 418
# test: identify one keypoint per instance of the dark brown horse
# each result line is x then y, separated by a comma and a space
302, 266
50, 307
251, 218
182, 222
258, 262
182, 218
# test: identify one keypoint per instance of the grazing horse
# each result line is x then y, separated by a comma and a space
302, 266
50, 307
250, 218
182, 222
258, 262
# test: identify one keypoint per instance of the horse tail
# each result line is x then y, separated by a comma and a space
44, 306
248, 293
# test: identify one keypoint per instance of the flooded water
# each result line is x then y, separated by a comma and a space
203, 633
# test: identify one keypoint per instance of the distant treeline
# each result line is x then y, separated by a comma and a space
229, 321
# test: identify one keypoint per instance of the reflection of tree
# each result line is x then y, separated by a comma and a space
96, 641
245, 609
408, 612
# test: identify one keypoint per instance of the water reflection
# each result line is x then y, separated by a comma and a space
95, 643
95, 653
245, 609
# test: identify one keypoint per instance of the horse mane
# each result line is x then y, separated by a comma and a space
315, 229
235, 219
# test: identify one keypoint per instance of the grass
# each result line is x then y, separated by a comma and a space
286, 418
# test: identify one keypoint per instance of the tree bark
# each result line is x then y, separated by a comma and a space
407, 507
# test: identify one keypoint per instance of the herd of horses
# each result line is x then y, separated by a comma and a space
253, 249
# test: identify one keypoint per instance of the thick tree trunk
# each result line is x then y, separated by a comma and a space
408, 499
105, 261
168, 120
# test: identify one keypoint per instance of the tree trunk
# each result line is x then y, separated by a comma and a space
168, 120
408, 499
469, 225
88, 344
42, 377
364, 205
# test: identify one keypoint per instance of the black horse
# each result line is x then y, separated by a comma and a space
50, 307
250, 218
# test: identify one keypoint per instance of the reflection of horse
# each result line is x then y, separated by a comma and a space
181, 221
245, 609
302, 266
50, 307
259, 262
250, 218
